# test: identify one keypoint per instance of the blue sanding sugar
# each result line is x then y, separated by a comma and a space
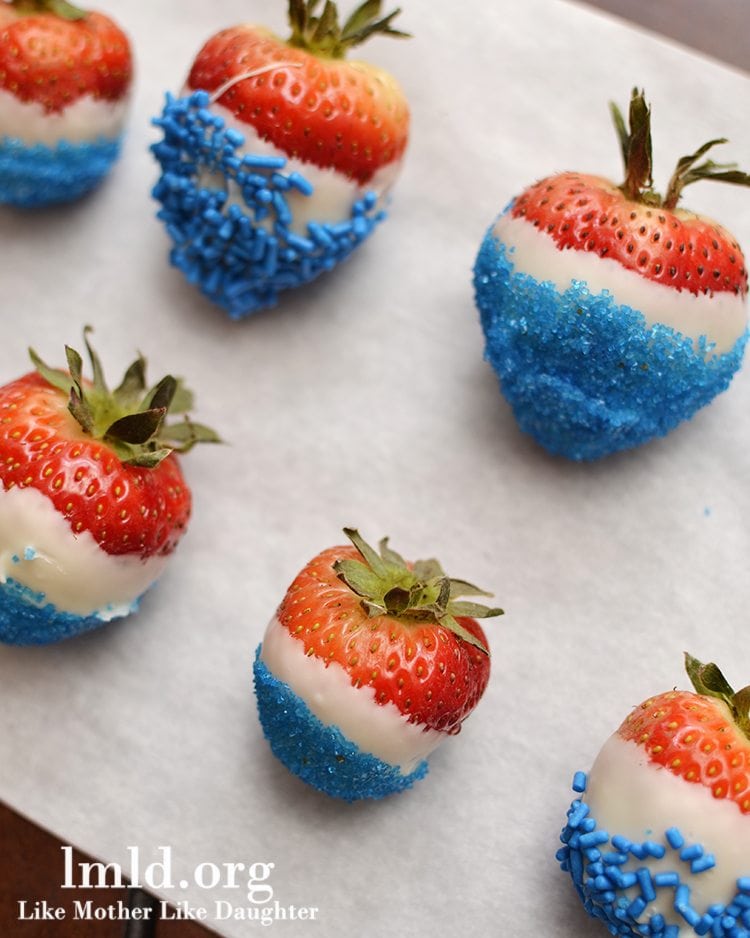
27, 619
241, 252
611, 875
34, 175
585, 376
321, 755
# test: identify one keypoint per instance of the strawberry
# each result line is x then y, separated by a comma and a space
659, 841
277, 161
93, 500
368, 664
610, 314
64, 81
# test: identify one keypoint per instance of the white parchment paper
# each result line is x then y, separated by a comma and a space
365, 400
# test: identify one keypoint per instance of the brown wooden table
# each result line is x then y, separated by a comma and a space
30, 858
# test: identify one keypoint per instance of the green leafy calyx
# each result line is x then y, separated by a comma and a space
324, 35
61, 8
388, 586
131, 419
708, 680
635, 145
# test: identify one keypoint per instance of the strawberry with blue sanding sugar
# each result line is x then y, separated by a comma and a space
367, 666
65, 75
278, 157
658, 843
610, 314
92, 498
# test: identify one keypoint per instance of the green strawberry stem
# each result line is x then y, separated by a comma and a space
60, 8
323, 35
132, 418
420, 593
708, 680
635, 145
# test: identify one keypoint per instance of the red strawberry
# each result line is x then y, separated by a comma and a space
104, 463
52, 53
662, 243
610, 314
306, 99
279, 160
703, 737
667, 801
369, 664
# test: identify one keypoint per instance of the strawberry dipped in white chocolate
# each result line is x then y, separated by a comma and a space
367, 666
65, 77
278, 156
92, 498
611, 314
658, 843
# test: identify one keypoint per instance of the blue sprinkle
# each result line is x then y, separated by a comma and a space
577, 813
197, 145
579, 782
674, 838
667, 879
743, 884
234, 138
301, 184
321, 755
636, 907
594, 838
35, 175
585, 376
616, 858
706, 862
621, 843
691, 853
646, 884
257, 161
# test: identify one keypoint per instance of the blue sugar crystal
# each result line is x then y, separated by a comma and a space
621, 889
35, 175
321, 755
26, 618
585, 376
241, 251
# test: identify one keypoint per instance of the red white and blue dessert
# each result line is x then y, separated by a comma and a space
367, 666
65, 76
92, 498
611, 315
278, 157
657, 842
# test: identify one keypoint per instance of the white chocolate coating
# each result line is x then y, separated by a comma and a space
720, 317
380, 729
631, 796
39, 550
334, 194
85, 119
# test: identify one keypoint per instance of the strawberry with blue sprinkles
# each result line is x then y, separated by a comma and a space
658, 841
65, 77
368, 665
92, 498
278, 158
611, 315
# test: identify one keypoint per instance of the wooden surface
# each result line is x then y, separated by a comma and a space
31, 870
30, 859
